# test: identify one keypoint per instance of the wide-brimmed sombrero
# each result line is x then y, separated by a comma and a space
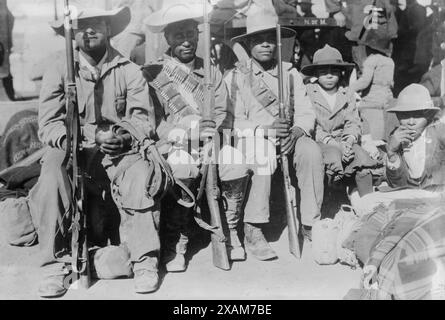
326, 56
118, 19
414, 97
262, 22
173, 11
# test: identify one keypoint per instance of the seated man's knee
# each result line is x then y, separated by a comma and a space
232, 164
308, 151
183, 165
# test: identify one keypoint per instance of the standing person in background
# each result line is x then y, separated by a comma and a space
376, 84
356, 16
411, 18
6, 25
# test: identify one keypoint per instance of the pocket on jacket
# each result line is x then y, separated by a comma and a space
120, 105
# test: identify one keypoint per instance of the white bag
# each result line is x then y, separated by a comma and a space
324, 241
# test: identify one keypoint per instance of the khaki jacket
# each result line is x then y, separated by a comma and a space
341, 122
121, 92
250, 113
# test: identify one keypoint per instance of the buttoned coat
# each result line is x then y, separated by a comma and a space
342, 121
434, 172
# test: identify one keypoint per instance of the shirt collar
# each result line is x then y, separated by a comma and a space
83, 62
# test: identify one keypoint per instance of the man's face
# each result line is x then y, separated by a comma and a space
263, 47
328, 77
306, 7
414, 120
91, 34
183, 40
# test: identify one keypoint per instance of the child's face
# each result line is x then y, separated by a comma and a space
414, 120
328, 77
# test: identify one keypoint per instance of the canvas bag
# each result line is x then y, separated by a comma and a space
324, 241
17, 222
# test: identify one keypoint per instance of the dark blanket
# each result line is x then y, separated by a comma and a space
20, 138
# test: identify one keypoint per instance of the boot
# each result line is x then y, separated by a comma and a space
146, 278
257, 244
54, 283
174, 257
233, 193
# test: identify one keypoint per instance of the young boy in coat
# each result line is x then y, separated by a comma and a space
338, 128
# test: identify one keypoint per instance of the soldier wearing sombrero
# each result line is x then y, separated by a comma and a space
110, 88
176, 83
253, 87
415, 166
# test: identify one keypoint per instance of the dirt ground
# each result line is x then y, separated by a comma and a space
286, 278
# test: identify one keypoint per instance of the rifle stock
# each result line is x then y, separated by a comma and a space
220, 256
79, 245
290, 198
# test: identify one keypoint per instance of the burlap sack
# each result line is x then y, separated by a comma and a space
17, 222
111, 263
324, 241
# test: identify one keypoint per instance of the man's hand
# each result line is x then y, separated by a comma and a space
113, 145
207, 129
340, 19
400, 138
288, 144
370, 277
278, 129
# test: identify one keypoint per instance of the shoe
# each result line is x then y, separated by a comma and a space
257, 244
146, 281
307, 233
177, 264
235, 249
52, 286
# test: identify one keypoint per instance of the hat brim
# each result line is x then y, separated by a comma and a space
310, 69
157, 23
119, 20
285, 33
429, 107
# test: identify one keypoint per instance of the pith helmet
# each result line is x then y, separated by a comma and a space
414, 97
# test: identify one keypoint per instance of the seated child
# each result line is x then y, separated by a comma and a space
416, 151
338, 128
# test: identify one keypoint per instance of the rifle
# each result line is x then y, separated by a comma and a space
79, 247
210, 176
291, 201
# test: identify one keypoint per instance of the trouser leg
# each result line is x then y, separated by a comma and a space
176, 225
48, 202
139, 226
309, 167
260, 155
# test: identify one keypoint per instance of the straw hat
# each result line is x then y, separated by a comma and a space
118, 19
414, 97
174, 11
326, 56
262, 22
